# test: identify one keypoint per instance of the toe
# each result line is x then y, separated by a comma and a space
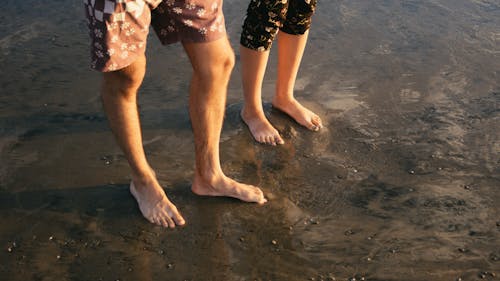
171, 223
158, 221
259, 196
176, 216
179, 220
270, 140
317, 121
278, 140
168, 220
163, 221
151, 219
313, 126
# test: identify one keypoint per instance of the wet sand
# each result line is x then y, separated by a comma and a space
402, 184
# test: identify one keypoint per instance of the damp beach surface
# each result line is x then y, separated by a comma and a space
401, 184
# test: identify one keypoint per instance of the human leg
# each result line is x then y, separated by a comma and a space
252, 74
118, 32
291, 44
119, 96
212, 64
259, 30
290, 51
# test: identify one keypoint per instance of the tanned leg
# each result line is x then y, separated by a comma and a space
290, 51
253, 68
212, 64
119, 96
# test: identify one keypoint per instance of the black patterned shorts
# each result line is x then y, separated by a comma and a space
265, 17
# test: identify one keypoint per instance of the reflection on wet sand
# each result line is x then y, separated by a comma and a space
402, 184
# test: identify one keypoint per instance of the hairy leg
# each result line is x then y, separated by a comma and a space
119, 96
290, 51
253, 69
212, 64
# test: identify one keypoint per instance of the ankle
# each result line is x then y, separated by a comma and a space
250, 112
212, 178
144, 178
282, 100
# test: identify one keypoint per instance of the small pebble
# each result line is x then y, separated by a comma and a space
411, 172
467, 187
462, 250
274, 242
9, 250
393, 251
348, 232
459, 279
160, 252
51, 238
58, 257
170, 265
242, 239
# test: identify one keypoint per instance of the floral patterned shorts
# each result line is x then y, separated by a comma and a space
265, 17
118, 28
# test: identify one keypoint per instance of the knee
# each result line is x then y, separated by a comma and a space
225, 64
228, 62
218, 68
124, 81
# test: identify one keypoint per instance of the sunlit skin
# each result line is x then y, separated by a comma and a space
290, 52
212, 64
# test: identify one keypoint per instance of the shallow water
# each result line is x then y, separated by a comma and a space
402, 184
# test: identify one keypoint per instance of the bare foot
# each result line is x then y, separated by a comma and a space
302, 115
261, 129
224, 186
154, 204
